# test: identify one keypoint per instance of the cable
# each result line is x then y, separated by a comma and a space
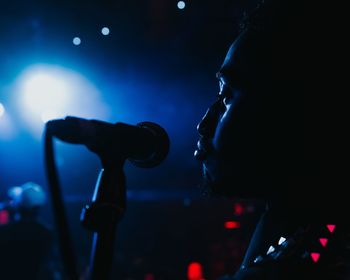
65, 242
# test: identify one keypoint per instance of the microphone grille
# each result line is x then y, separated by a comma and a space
162, 145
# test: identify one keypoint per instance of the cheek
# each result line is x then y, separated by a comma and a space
224, 138
235, 136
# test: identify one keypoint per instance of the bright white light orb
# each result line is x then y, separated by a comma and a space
105, 31
181, 5
42, 91
45, 92
76, 41
2, 110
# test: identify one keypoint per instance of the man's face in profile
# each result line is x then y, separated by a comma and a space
252, 136
227, 146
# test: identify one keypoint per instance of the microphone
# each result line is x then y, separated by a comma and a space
145, 144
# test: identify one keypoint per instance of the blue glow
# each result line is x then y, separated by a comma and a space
181, 5
76, 41
7, 127
43, 90
14, 192
49, 115
47, 92
105, 31
2, 110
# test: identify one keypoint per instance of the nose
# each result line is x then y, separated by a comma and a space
207, 126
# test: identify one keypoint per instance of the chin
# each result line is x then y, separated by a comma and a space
213, 186
232, 185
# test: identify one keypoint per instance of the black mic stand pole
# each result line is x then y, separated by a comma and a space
102, 216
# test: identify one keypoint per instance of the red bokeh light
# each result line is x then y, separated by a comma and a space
149, 276
4, 217
232, 224
195, 271
238, 209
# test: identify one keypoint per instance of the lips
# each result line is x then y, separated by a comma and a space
199, 155
204, 146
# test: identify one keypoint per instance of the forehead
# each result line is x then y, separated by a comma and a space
230, 70
244, 60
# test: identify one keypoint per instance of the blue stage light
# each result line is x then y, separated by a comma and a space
45, 92
7, 126
2, 110
76, 41
181, 5
105, 31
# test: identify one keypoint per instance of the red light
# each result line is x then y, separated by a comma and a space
195, 271
315, 256
238, 209
4, 217
323, 241
149, 276
232, 224
331, 228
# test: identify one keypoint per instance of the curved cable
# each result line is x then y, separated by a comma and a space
59, 213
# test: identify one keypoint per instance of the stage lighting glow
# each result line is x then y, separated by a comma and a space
42, 91
14, 191
2, 110
49, 115
105, 31
46, 92
181, 5
76, 41
7, 127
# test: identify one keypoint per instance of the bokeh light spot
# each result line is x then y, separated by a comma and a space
194, 271
105, 31
181, 5
2, 110
232, 225
76, 41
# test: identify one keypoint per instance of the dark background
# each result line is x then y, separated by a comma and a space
157, 64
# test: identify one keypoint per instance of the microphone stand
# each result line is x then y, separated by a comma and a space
109, 199
102, 216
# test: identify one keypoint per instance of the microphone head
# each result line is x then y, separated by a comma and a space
161, 147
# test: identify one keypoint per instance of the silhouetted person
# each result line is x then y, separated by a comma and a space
25, 241
277, 132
